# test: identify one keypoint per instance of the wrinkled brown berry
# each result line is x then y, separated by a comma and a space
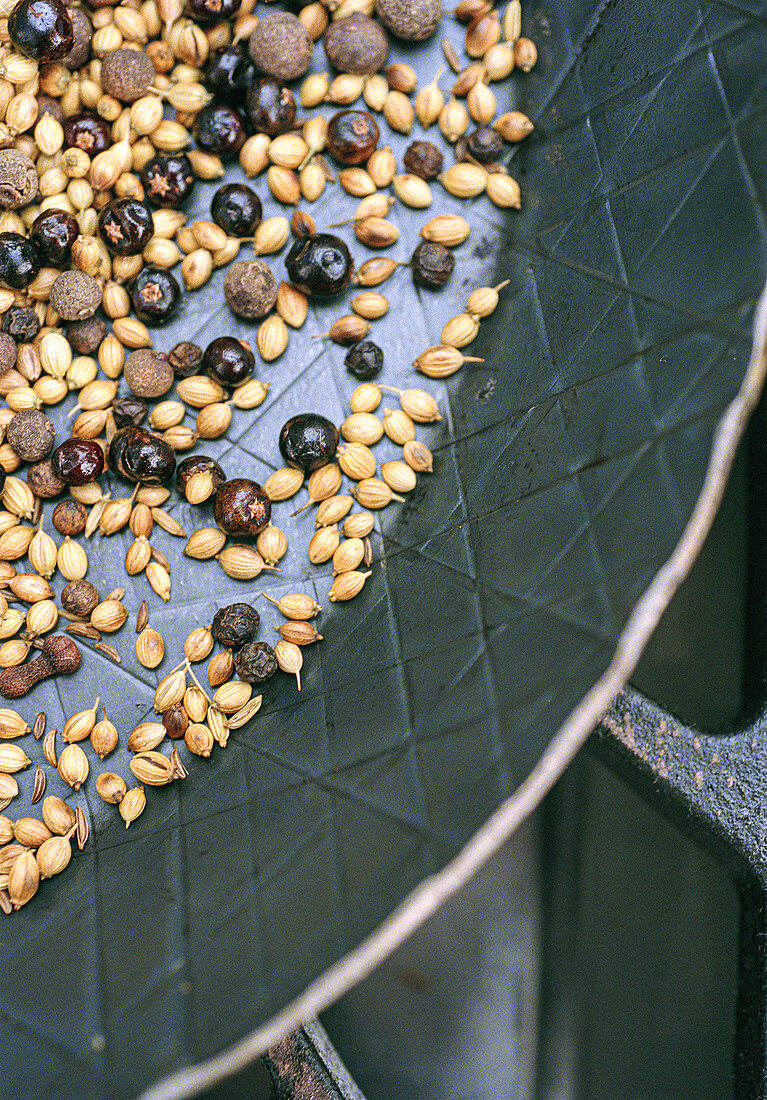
235, 625
255, 662
69, 518
356, 44
18, 179
31, 435
75, 295
281, 46
242, 508
126, 74
86, 336
43, 481
148, 373
250, 289
80, 598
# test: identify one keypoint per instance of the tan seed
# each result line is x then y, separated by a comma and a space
132, 805
460, 330
359, 525
272, 338
13, 759
31, 832
290, 659
348, 555
418, 456
198, 644
73, 766
111, 787
137, 556
150, 648
356, 460
292, 305
398, 476
11, 724
205, 543
504, 191
296, 605
49, 747
53, 856
152, 768
220, 668
170, 690
332, 510
347, 585
104, 737
241, 562
198, 739
58, 815
372, 493
362, 427
108, 616
240, 717
80, 725
271, 545
300, 633
195, 704
232, 696
146, 736
23, 879
323, 545
284, 483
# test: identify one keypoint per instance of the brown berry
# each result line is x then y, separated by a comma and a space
250, 289
281, 46
75, 295
31, 435
126, 74
18, 179
148, 373
356, 44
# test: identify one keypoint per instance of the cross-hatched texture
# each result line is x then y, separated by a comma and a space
567, 464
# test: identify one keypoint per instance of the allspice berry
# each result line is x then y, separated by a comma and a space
356, 44
126, 74
31, 435
18, 179
410, 19
7, 353
80, 598
148, 373
44, 482
75, 295
281, 46
85, 336
250, 289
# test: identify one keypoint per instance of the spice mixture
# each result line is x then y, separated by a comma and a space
111, 114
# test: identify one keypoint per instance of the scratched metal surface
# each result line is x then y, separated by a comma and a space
567, 464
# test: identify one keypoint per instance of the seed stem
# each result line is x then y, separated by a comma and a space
190, 670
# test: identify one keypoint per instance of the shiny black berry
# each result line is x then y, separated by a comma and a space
126, 226
235, 625
230, 73
320, 264
237, 209
352, 136
140, 455
19, 260
88, 132
229, 361
271, 107
41, 29
129, 411
242, 508
308, 441
198, 464
255, 662
210, 11
168, 179
220, 129
78, 461
155, 295
364, 361
432, 264
53, 233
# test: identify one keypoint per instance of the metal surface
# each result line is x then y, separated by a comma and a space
567, 465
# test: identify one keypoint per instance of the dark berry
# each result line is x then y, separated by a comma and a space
78, 461
80, 598
220, 129
210, 11
88, 132
86, 336
484, 144
126, 226
230, 73
237, 209
43, 481
432, 264
352, 136
19, 260
129, 411
140, 455
271, 107
198, 464
235, 625
229, 361
70, 517
364, 360
155, 295
22, 323
186, 359
423, 159
242, 508
320, 264
176, 721
308, 441
53, 233
41, 29
255, 662
168, 179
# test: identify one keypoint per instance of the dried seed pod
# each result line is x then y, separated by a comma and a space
108, 616
170, 690
513, 126
198, 644
292, 305
220, 668
241, 562
272, 338
503, 191
146, 736
381, 166
362, 428
244, 714
31, 832
205, 543
154, 769
271, 545
418, 457
71, 560
440, 361
481, 104
79, 726
376, 232
251, 394
13, 653
323, 545
198, 739
132, 805
296, 605
104, 737
9, 788
375, 271
525, 54
460, 330
371, 305
53, 856
359, 525
13, 759
511, 24
332, 511
232, 696
412, 191
322, 484
58, 815
300, 633
111, 787
23, 879
357, 460
464, 180
484, 300
347, 585
42, 554
429, 102
348, 556
373, 493
150, 648
398, 426
284, 483
12, 724
419, 405
290, 659
398, 476
49, 748
398, 112
73, 766
195, 704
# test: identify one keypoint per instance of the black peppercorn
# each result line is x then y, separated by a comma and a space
242, 508
220, 129
485, 144
271, 107
19, 260
78, 461
255, 662
210, 11
198, 464
30, 434
230, 73
88, 132
356, 44
53, 233
423, 159
229, 361
70, 517
186, 359
155, 295
308, 441
235, 625
80, 598
364, 360
432, 264
41, 29
86, 336
140, 455
43, 481
320, 264
237, 209
126, 226
22, 323
167, 179
352, 136
129, 411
